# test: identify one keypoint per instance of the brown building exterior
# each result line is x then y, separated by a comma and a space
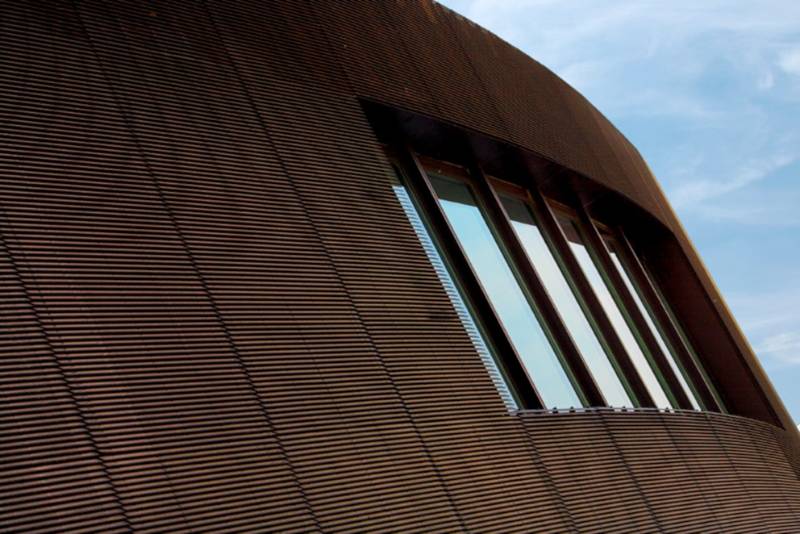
243, 289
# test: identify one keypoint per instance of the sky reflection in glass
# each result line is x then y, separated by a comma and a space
504, 293
651, 325
615, 314
462, 310
565, 302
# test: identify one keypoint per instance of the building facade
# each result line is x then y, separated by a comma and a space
350, 266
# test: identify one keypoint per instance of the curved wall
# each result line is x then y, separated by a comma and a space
216, 316
421, 57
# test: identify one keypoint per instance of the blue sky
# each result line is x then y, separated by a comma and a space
710, 94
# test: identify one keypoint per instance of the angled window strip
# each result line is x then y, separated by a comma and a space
571, 313
508, 298
614, 312
482, 250
665, 348
684, 339
453, 293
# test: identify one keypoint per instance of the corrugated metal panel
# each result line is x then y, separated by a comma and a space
216, 316
461, 73
686, 472
358, 220
381, 468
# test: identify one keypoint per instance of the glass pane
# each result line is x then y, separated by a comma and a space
504, 293
668, 353
685, 340
463, 312
614, 313
567, 305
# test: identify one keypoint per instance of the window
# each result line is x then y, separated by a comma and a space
614, 312
683, 340
560, 313
512, 306
454, 293
651, 325
562, 295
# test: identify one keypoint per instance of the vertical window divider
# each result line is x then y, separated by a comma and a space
607, 332
586, 386
663, 370
654, 302
423, 190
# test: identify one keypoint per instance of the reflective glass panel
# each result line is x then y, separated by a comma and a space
685, 340
614, 313
668, 353
569, 309
504, 292
454, 294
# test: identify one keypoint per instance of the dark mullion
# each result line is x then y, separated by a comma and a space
423, 191
586, 386
555, 235
595, 243
669, 329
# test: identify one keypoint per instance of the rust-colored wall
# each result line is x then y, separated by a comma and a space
419, 56
216, 317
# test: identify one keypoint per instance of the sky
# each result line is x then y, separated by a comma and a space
709, 92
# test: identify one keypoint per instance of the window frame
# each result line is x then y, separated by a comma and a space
573, 276
551, 209
415, 168
449, 278
596, 247
659, 360
665, 320
420, 187
532, 288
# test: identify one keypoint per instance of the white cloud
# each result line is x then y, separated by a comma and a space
789, 61
679, 60
699, 190
780, 215
784, 347
561, 32
771, 322
766, 81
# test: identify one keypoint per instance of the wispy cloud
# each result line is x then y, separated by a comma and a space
784, 346
698, 190
771, 322
790, 61
766, 80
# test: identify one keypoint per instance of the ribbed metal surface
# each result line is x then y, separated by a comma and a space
686, 472
216, 316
